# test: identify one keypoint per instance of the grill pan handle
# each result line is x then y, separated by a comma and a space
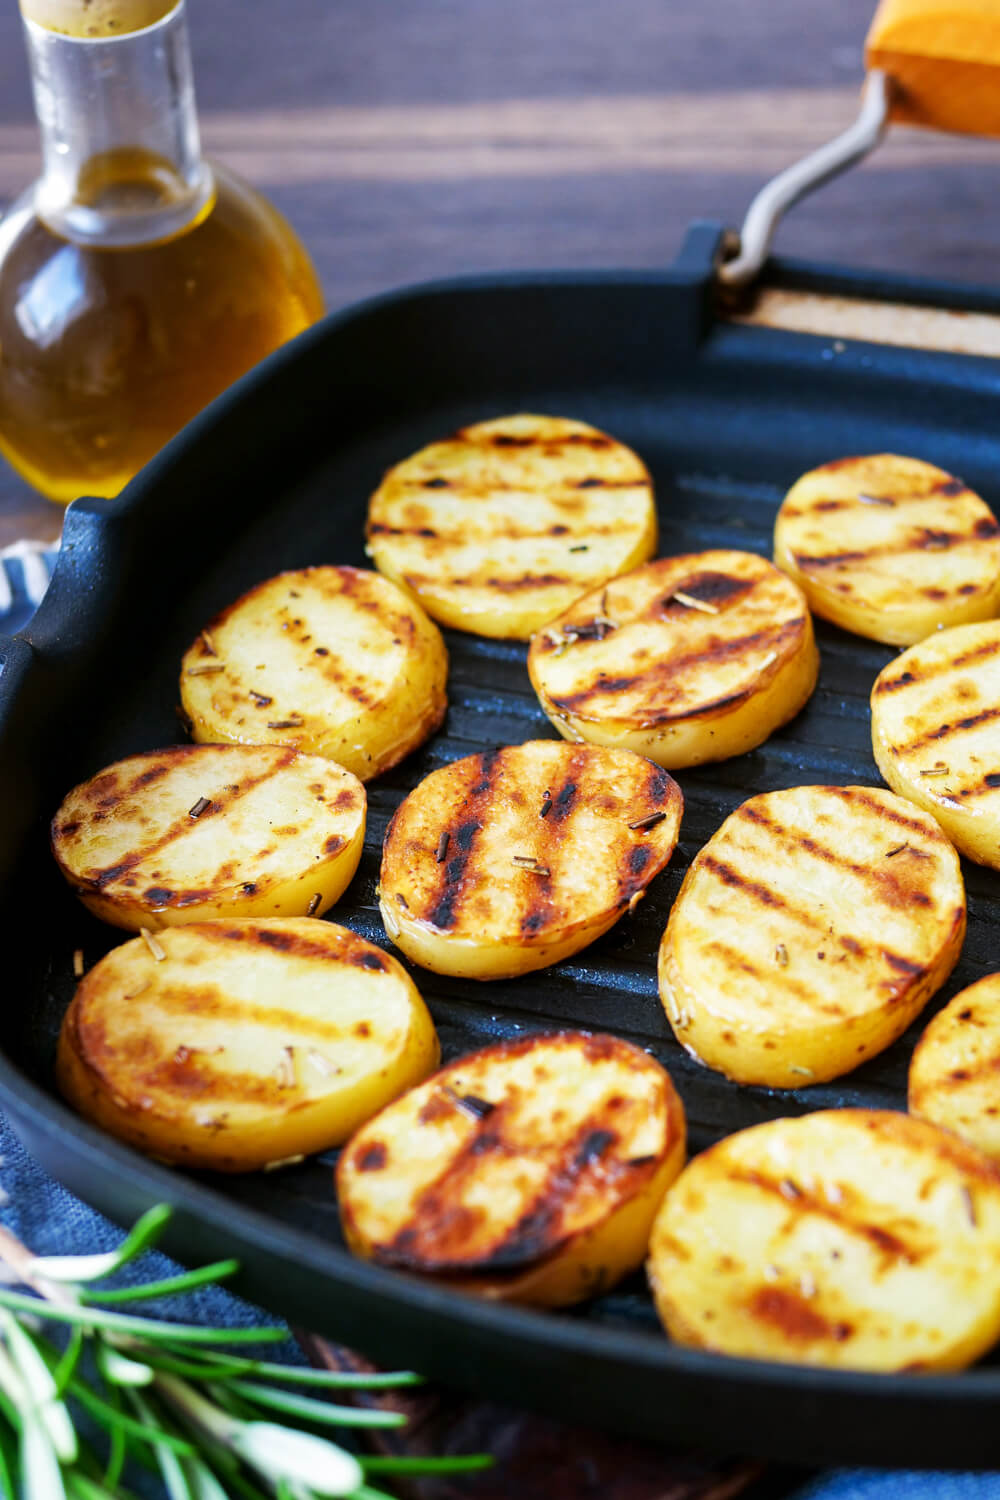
930, 62
750, 248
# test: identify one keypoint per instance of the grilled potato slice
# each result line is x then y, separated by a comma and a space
687, 659
890, 547
200, 831
335, 661
528, 1172
242, 1044
954, 1067
935, 715
855, 1238
513, 859
498, 528
809, 932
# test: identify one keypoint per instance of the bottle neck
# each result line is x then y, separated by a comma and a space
122, 162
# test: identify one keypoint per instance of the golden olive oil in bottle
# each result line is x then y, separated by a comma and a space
137, 280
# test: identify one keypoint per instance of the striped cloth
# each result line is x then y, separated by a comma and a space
25, 570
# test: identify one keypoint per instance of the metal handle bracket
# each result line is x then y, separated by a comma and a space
803, 177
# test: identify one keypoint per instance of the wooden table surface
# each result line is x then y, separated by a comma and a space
420, 138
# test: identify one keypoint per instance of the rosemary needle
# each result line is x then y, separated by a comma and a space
471, 1463
164, 1395
147, 1328
313, 1410
169, 1287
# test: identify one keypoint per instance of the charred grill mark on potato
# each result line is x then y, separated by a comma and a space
886, 812
485, 579
892, 887
211, 1002
204, 1058
846, 1210
136, 848
550, 433
538, 911
104, 796
891, 681
920, 539
760, 892
220, 801
934, 733
461, 839
796, 947
709, 587
578, 1129
662, 680
981, 1070
440, 1222
599, 483
948, 731
713, 708
865, 1256
455, 533
890, 547
737, 959
794, 1317
218, 1089
989, 783
500, 526
686, 659
444, 913
365, 704
955, 1069
105, 793
545, 844
905, 966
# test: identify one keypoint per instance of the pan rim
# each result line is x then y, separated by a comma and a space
89, 1151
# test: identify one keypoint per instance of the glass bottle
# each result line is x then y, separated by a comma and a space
136, 280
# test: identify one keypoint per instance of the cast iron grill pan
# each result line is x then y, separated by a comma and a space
277, 475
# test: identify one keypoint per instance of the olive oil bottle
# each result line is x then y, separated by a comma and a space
137, 280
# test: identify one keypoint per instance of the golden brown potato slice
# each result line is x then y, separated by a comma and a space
955, 1067
513, 859
528, 1172
498, 528
336, 661
242, 1044
856, 1238
890, 547
199, 831
935, 723
809, 932
687, 659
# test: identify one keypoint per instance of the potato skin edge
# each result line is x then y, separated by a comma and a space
246, 1147
692, 743
430, 656
473, 957
888, 1123
751, 1061
585, 1265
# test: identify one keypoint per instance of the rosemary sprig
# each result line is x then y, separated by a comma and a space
166, 1395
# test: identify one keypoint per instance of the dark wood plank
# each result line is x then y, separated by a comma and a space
439, 136
536, 1458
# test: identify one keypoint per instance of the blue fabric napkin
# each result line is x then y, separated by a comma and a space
51, 1221
876, 1484
25, 569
